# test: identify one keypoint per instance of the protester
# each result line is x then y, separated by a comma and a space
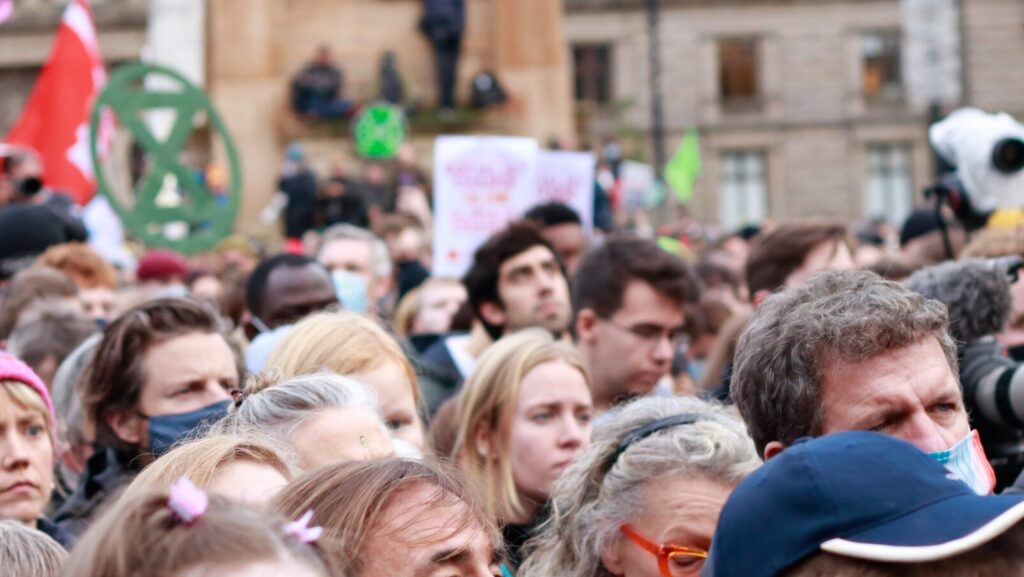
95, 277
360, 267
356, 347
319, 418
867, 505
162, 271
246, 468
922, 241
25, 171
26, 231
338, 204
44, 336
997, 243
428, 310
34, 285
562, 227
523, 416
74, 435
781, 258
629, 297
850, 351
162, 370
396, 518
317, 90
27, 448
643, 500
515, 282
443, 23
284, 289
29, 552
183, 532
298, 185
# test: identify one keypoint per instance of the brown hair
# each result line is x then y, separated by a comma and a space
776, 254
140, 535
84, 265
605, 272
350, 499
28, 286
201, 459
115, 376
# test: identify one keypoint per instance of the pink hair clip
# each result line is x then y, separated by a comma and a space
187, 501
302, 531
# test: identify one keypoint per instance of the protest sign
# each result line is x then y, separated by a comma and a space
480, 184
567, 177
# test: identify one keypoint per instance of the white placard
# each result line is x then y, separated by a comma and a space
481, 183
567, 177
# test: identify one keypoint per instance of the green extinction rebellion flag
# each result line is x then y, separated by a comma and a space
682, 171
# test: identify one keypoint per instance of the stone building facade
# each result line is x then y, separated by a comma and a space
800, 104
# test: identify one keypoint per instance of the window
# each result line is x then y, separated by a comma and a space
739, 85
744, 189
592, 65
881, 77
888, 187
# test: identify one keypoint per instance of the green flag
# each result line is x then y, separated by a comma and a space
682, 171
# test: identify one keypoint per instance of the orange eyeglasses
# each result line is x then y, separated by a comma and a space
673, 560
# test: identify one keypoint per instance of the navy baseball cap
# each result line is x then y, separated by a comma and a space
857, 494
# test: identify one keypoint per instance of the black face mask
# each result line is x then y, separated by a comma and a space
30, 186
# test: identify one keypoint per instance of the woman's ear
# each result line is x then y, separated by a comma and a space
611, 557
484, 441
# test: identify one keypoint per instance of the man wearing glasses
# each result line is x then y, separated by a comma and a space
629, 297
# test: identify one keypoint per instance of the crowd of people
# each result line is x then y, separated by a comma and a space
804, 398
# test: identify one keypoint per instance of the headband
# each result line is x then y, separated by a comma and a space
651, 428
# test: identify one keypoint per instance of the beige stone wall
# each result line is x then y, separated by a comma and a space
814, 125
257, 45
995, 54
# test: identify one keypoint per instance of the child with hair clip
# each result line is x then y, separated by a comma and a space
185, 533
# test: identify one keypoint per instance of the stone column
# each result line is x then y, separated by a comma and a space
245, 84
531, 59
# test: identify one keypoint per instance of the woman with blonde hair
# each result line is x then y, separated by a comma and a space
246, 468
523, 417
356, 347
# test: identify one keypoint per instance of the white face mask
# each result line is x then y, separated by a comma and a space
967, 462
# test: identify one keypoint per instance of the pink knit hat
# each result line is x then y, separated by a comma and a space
12, 369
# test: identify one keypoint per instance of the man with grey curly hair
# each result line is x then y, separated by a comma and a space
850, 351
646, 494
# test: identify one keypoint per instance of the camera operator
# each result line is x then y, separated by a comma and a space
977, 294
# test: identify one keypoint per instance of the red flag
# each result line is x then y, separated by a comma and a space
55, 121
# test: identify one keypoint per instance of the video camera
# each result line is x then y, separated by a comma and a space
987, 151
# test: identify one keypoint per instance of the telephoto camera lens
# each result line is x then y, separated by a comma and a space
1008, 155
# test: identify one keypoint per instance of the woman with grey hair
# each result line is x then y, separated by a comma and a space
644, 499
321, 418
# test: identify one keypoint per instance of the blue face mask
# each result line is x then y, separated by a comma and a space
352, 291
166, 430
